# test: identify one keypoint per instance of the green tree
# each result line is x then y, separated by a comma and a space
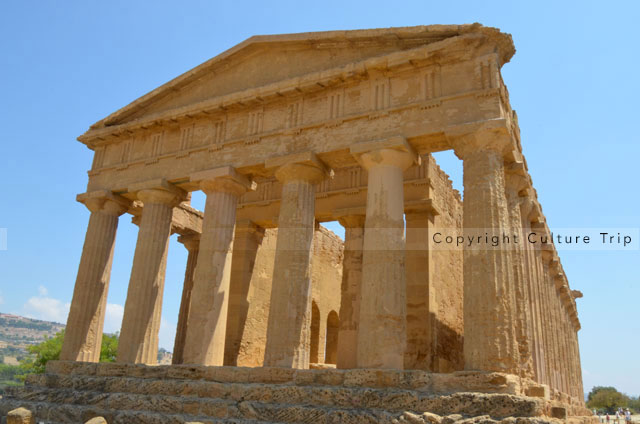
607, 398
49, 350
109, 348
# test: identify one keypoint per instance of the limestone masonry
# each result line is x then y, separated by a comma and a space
281, 321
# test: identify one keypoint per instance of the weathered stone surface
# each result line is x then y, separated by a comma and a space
336, 125
20, 416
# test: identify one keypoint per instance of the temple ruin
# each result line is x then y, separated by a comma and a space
280, 320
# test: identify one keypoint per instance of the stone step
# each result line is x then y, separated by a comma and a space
62, 406
74, 392
423, 381
389, 399
53, 413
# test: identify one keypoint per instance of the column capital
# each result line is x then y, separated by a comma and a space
548, 253
416, 207
223, 179
104, 201
250, 228
351, 217
493, 135
303, 166
516, 177
158, 191
388, 151
190, 241
352, 221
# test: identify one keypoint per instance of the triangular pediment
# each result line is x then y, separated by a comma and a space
263, 60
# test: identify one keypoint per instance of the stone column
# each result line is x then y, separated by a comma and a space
552, 332
490, 342
192, 243
288, 330
421, 296
142, 311
566, 345
576, 355
207, 326
248, 238
83, 335
382, 322
540, 284
515, 182
562, 291
535, 304
350, 289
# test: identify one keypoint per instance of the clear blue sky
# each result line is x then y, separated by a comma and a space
574, 82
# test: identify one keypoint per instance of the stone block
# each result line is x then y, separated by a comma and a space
303, 377
559, 412
187, 372
540, 391
272, 375
20, 416
60, 367
228, 374
360, 378
114, 369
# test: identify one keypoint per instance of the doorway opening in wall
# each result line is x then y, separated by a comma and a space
452, 166
331, 348
315, 334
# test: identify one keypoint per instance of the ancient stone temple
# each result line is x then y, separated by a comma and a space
280, 320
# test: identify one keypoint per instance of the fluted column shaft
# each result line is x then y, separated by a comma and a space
248, 238
192, 243
552, 347
382, 323
350, 290
531, 278
83, 335
421, 302
288, 329
514, 183
578, 365
207, 325
545, 318
142, 312
490, 342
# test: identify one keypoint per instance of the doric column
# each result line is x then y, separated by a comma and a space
288, 328
568, 360
535, 305
207, 325
353, 223
421, 295
549, 293
247, 240
538, 230
192, 243
83, 335
382, 323
142, 311
565, 299
515, 183
490, 342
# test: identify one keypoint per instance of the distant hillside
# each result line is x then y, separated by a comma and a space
16, 333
